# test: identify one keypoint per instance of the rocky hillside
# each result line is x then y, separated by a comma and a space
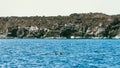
86, 25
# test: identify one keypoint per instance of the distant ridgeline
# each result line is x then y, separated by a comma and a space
86, 25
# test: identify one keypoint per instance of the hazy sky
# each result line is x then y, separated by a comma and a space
57, 7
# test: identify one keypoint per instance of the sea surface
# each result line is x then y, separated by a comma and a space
59, 53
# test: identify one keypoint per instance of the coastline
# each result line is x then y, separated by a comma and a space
55, 38
74, 26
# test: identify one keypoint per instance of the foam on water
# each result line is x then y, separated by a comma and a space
44, 53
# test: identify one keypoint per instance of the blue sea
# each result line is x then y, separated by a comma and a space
59, 53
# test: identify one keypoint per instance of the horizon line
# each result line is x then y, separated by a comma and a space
57, 15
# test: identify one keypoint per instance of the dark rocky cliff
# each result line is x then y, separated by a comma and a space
86, 25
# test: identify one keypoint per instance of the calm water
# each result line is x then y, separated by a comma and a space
44, 53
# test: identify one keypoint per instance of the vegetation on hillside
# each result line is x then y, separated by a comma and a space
86, 25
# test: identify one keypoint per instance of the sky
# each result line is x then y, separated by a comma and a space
57, 7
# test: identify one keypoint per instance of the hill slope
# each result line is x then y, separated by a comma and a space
86, 25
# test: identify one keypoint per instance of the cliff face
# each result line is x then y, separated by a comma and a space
90, 25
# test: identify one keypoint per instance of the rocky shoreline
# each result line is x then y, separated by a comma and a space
74, 26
